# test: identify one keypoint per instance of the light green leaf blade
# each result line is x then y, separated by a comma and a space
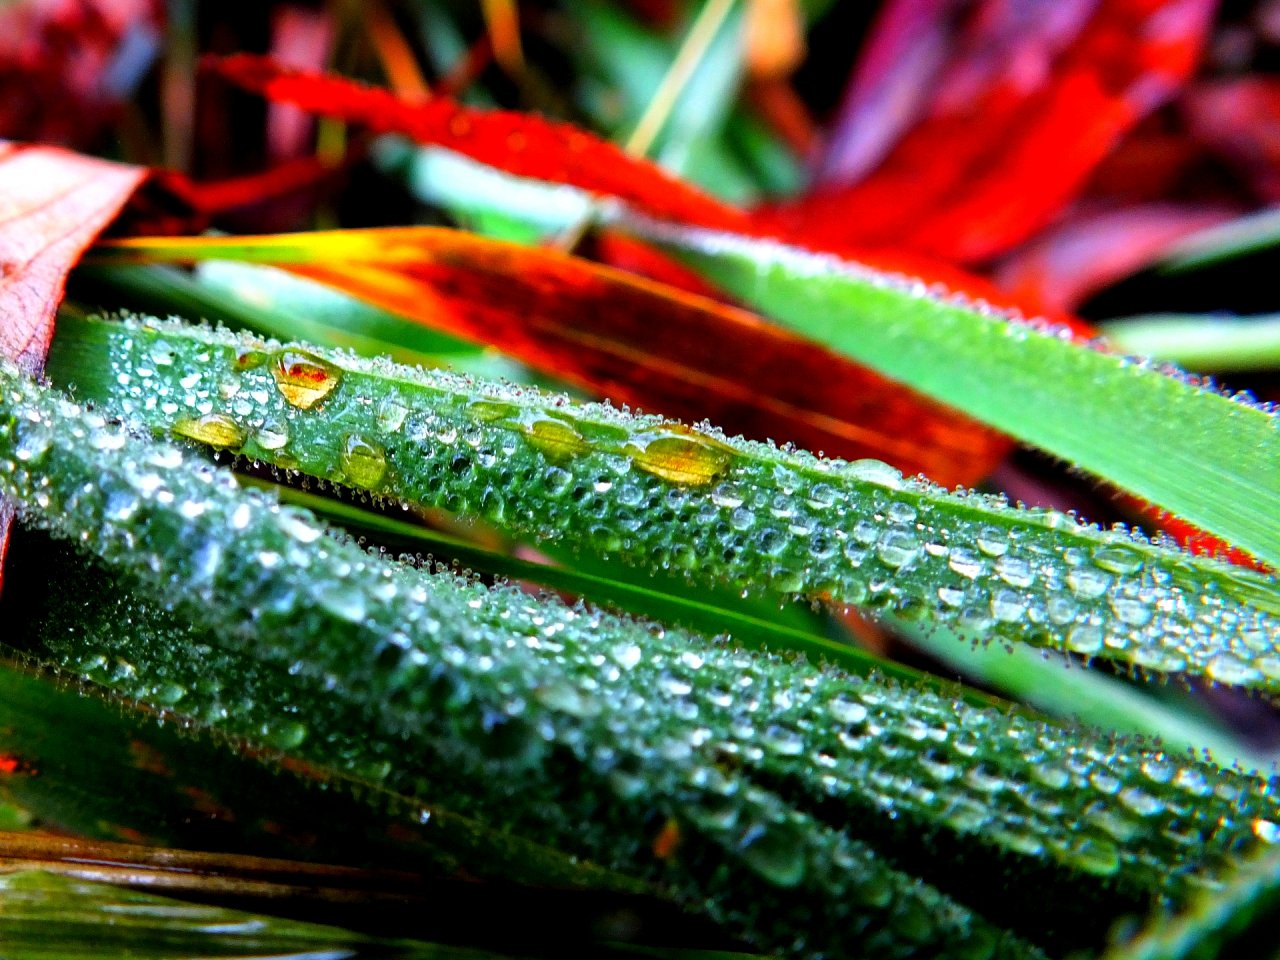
1201, 455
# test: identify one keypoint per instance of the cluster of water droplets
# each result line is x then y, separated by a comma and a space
505, 689
718, 510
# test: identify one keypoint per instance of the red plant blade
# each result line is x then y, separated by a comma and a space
53, 203
1074, 259
523, 145
1240, 120
1010, 138
625, 337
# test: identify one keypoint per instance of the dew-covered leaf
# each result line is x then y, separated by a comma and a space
1204, 456
620, 741
693, 502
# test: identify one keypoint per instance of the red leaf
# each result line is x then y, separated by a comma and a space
1022, 116
1064, 266
1240, 119
523, 145
53, 203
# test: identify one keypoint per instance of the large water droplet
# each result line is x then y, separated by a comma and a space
555, 439
214, 429
363, 462
775, 852
303, 378
688, 459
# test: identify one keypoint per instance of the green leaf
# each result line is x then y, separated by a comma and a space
1206, 457
697, 504
1233, 918
49, 917
808, 810
1207, 344
1249, 234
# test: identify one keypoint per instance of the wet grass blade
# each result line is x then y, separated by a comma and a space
701, 506
1203, 456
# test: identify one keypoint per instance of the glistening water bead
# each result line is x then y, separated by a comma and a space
717, 510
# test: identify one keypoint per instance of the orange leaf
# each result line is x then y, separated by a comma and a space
627, 338
53, 203
523, 145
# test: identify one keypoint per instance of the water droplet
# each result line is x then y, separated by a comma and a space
1085, 638
1015, 571
844, 710
214, 429
364, 463
1087, 582
687, 459
285, 736
391, 415
250, 359
1230, 669
897, 548
1266, 831
564, 697
303, 378
993, 541
875, 471
775, 852
1117, 559
555, 439
272, 436
965, 562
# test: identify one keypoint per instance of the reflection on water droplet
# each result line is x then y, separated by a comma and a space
687, 459
1229, 669
303, 378
215, 429
875, 471
364, 463
1266, 831
272, 436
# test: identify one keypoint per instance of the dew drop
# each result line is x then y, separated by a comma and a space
272, 436
897, 548
214, 429
1230, 669
303, 378
844, 710
1117, 559
391, 416
1266, 831
686, 459
363, 462
775, 852
555, 439
875, 471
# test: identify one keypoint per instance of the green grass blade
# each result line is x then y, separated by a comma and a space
1207, 344
49, 917
510, 691
1233, 918
1201, 455
1249, 234
803, 783
697, 504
